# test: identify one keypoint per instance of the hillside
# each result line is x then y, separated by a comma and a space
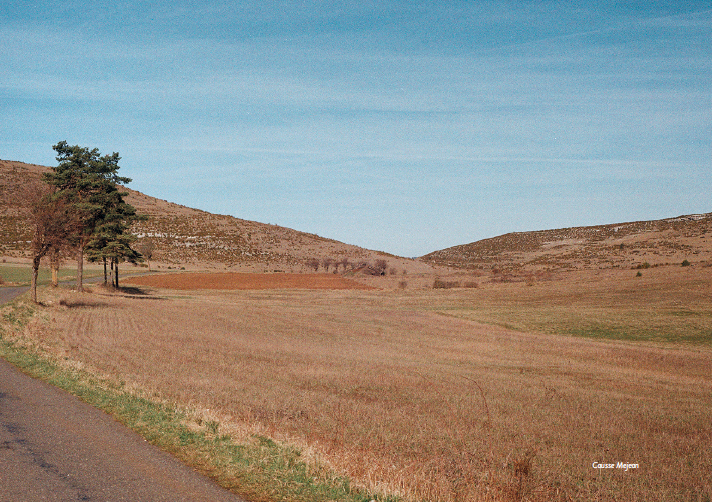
188, 237
620, 245
191, 238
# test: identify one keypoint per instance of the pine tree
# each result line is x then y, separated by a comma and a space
88, 182
112, 240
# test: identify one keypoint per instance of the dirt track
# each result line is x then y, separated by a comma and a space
226, 281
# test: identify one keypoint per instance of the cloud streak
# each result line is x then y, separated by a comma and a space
430, 115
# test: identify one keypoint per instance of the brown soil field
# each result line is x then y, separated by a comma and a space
424, 393
233, 280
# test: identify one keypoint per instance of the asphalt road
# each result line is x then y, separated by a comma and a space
54, 447
10, 293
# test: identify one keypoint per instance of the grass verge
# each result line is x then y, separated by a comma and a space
260, 469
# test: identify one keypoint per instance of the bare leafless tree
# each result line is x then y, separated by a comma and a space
146, 248
54, 223
56, 257
327, 263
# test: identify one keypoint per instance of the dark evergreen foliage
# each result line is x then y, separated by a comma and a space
89, 183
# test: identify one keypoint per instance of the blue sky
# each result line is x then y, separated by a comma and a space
401, 126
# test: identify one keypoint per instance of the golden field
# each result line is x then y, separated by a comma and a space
425, 393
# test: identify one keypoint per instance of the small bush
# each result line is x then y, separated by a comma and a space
685, 263
440, 284
639, 274
403, 284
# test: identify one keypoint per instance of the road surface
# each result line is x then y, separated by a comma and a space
8, 294
54, 447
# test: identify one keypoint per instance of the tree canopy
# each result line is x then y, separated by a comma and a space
87, 182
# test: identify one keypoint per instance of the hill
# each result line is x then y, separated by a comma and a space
191, 238
187, 237
620, 245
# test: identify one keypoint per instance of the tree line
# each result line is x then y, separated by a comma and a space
379, 268
78, 208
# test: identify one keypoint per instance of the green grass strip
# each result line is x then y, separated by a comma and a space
261, 470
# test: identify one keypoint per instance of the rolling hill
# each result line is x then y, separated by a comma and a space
621, 245
192, 238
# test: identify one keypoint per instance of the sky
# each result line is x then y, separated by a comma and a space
400, 126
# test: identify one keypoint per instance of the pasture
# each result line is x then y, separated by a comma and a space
21, 275
501, 392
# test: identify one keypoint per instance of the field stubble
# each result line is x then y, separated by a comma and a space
405, 393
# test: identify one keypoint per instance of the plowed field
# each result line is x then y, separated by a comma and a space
231, 280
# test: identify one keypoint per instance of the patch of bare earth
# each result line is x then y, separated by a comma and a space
234, 280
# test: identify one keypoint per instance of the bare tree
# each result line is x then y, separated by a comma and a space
56, 257
326, 263
146, 248
54, 223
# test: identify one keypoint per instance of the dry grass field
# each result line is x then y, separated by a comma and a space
424, 393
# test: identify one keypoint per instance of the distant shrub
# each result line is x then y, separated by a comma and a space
403, 284
685, 263
639, 274
643, 265
327, 263
440, 284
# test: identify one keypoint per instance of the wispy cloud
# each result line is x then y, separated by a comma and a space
451, 108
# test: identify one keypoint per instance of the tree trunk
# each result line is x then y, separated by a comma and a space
55, 260
35, 272
80, 268
116, 275
106, 279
